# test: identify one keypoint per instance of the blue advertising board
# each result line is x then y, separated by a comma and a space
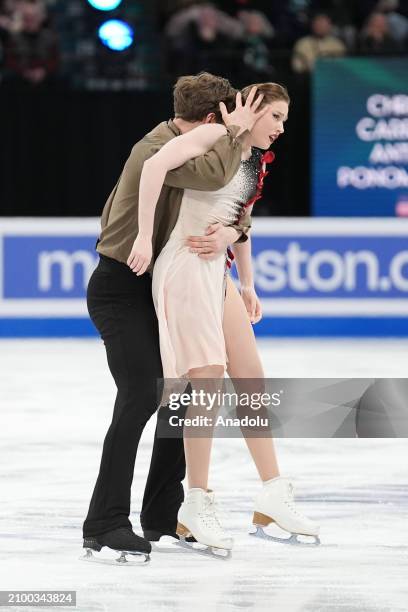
315, 277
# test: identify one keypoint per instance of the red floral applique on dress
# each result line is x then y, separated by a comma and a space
266, 158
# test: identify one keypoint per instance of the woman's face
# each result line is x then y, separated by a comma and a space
267, 129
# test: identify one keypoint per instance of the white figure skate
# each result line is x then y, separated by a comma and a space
275, 504
197, 517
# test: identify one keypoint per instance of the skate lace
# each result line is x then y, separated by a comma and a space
210, 518
290, 501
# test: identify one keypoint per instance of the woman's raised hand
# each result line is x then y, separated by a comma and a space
244, 115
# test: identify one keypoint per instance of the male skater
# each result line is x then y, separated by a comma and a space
121, 307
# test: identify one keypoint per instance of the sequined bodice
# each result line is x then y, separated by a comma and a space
200, 208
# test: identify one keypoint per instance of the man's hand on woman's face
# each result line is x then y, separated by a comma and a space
214, 243
245, 115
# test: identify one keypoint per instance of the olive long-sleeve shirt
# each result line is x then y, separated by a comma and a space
208, 172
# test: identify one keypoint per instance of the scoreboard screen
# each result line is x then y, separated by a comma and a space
360, 137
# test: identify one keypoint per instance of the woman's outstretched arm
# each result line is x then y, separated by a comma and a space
172, 155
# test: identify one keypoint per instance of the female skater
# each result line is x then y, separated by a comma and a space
204, 323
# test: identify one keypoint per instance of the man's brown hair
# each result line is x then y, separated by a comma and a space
272, 92
195, 96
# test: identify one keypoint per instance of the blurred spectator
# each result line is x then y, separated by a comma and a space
320, 43
207, 18
10, 16
258, 32
290, 20
397, 23
9, 22
31, 49
202, 37
343, 15
167, 8
375, 37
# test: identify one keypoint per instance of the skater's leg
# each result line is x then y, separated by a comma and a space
121, 307
244, 363
274, 503
198, 449
197, 516
164, 490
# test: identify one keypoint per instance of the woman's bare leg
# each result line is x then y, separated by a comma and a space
198, 449
244, 362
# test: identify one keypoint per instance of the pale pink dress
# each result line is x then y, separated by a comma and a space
188, 292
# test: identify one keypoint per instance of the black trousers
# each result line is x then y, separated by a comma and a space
121, 307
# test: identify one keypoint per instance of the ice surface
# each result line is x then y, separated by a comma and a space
56, 403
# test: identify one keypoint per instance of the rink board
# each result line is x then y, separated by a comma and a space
315, 277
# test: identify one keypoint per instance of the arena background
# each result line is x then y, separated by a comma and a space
331, 267
344, 155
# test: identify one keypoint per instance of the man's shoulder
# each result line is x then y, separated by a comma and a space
160, 134
151, 143
304, 41
336, 41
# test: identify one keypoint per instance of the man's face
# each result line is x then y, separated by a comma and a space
321, 26
378, 24
267, 129
32, 16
